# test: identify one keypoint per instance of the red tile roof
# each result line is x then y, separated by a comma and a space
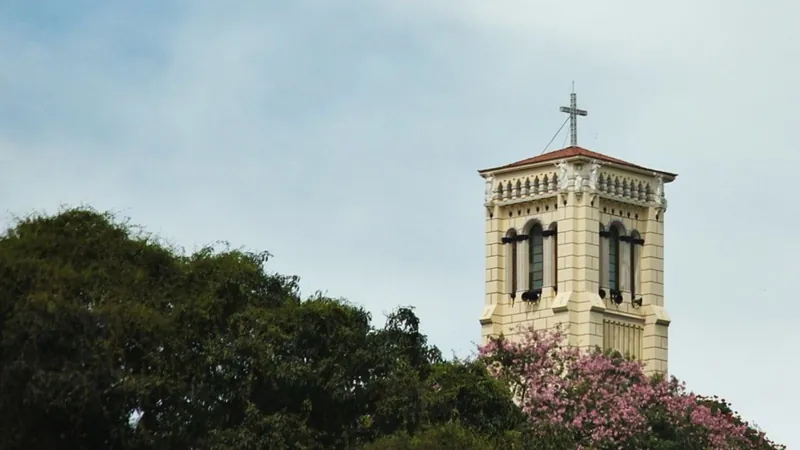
571, 152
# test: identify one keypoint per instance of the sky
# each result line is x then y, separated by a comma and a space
344, 138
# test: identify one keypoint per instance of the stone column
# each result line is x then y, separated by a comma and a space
490, 317
547, 253
508, 250
587, 310
656, 329
603, 262
523, 249
652, 261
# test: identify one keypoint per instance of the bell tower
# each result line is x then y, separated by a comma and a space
576, 238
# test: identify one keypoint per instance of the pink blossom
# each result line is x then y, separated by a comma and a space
603, 401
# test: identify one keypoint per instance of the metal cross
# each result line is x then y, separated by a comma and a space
573, 112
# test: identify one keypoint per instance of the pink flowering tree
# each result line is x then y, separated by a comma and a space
600, 400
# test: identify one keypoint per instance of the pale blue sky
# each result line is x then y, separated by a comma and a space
344, 137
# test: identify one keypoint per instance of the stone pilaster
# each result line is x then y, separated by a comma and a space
523, 264
549, 271
656, 329
652, 259
490, 317
588, 309
603, 269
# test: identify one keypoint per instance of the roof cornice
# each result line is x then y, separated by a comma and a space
576, 154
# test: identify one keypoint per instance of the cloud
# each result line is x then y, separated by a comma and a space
344, 138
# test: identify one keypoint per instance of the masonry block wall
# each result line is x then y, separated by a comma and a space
600, 261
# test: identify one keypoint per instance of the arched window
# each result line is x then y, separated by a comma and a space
511, 262
613, 258
536, 258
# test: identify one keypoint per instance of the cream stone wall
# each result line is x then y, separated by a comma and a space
579, 196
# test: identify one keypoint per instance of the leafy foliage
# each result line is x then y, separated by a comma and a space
110, 338
606, 401
450, 435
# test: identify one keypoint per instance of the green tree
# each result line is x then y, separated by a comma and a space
110, 338
451, 435
81, 322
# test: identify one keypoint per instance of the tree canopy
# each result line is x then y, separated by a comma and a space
110, 338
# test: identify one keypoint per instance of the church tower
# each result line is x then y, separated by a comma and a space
577, 237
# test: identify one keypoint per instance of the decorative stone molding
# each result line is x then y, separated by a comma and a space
594, 172
578, 178
656, 315
660, 197
624, 336
561, 302
623, 189
490, 194
563, 175
523, 189
578, 186
565, 180
486, 316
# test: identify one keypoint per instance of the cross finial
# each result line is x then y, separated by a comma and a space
573, 112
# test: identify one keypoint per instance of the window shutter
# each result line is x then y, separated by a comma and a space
625, 265
536, 262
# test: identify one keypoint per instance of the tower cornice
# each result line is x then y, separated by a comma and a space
574, 154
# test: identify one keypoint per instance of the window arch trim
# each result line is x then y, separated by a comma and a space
618, 224
530, 224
